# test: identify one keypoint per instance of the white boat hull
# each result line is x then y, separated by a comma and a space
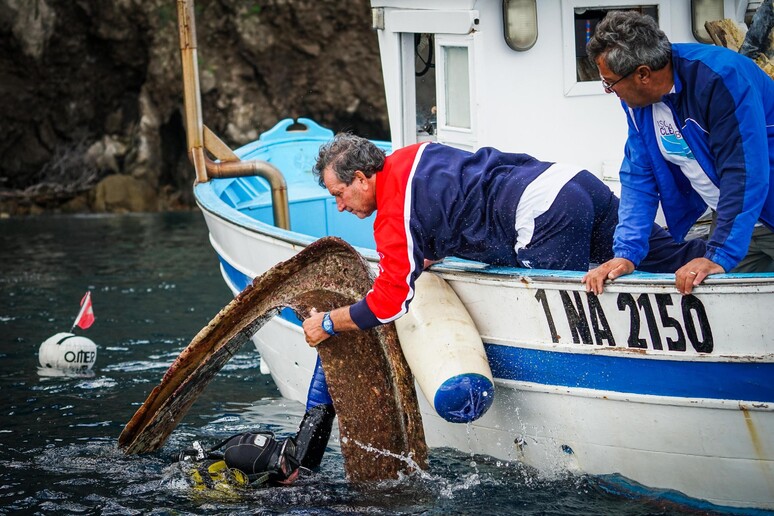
573, 395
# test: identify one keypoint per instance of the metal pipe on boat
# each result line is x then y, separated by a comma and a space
279, 188
194, 126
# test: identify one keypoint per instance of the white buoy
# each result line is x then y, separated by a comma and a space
444, 350
66, 352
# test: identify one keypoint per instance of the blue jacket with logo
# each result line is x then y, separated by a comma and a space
724, 105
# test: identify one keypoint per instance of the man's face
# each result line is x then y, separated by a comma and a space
358, 198
630, 88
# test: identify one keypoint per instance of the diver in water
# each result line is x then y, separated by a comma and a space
259, 458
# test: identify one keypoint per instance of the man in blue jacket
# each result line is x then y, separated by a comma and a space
701, 134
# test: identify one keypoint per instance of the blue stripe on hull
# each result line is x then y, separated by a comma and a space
742, 381
239, 280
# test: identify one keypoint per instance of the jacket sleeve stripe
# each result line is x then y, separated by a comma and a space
393, 288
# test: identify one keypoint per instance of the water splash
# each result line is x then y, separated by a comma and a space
407, 459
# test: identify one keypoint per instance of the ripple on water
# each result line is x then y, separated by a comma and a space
244, 361
225, 419
137, 342
168, 355
98, 383
50, 372
137, 365
93, 425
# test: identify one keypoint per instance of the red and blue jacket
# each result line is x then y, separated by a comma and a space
435, 201
724, 104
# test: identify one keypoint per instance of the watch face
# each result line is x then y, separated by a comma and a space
327, 324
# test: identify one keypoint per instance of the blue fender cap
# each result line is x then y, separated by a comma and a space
464, 398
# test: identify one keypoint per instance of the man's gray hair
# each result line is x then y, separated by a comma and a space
628, 39
345, 155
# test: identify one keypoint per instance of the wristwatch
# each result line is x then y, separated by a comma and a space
327, 324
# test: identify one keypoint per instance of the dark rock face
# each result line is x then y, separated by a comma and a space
90, 88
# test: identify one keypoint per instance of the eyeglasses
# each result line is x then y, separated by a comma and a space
608, 86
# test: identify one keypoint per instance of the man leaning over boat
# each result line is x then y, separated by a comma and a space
433, 201
701, 134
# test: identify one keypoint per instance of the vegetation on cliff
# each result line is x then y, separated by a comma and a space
91, 91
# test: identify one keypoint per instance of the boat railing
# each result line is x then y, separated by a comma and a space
201, 138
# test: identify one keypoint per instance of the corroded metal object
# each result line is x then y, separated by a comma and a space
369, 380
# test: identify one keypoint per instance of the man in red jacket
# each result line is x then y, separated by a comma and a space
434, 201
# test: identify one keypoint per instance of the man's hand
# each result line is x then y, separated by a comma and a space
610, 270
693, 273
313, 330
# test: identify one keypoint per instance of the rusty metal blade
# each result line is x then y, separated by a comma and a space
370, 383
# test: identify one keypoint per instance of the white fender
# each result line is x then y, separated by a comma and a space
444, 350
67, 352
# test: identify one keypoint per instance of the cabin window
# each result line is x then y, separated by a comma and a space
580, 19
586, 20
457, 87
456, 121
424, 86
702, 12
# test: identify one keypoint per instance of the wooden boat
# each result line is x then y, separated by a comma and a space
645, 387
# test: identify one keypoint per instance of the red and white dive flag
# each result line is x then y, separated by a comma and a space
86, 315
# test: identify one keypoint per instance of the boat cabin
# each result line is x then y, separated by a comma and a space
513, 74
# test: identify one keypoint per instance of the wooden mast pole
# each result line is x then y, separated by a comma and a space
200, 137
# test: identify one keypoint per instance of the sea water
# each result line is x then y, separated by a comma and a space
155, 283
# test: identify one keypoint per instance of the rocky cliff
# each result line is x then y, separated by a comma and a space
91, 91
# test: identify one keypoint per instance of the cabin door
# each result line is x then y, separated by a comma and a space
438, 89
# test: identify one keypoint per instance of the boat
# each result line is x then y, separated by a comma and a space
650, 390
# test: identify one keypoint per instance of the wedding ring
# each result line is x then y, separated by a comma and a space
692, 272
